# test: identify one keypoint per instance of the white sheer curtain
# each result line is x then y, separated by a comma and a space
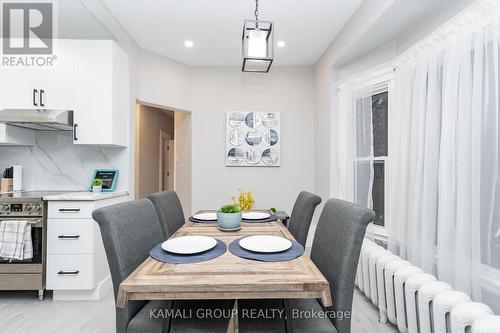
443, 196
352, 135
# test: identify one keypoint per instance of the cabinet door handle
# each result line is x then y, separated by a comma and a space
41, 97
75, 134
75, 272
69, 210
72, 237
35, 91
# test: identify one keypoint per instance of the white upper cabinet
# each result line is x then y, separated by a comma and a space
37, 88
41, 87
89, 77
102, 104
57, 84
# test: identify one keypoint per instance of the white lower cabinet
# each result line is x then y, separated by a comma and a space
77, 268
71, 236
70, 272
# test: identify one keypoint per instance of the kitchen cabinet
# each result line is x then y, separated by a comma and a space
90, 77
77, 268
102, 105
43, 87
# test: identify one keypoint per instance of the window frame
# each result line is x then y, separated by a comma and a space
382, 83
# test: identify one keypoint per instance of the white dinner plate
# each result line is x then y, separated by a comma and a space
206, 216
265, 244
255, 215
189, 244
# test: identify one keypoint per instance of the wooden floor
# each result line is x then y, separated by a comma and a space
21, 312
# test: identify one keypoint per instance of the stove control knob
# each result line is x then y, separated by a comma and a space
5, 208
38, 207
27, 207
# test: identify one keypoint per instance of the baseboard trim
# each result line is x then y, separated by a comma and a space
102, 288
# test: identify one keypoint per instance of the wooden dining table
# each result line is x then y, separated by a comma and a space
227, 276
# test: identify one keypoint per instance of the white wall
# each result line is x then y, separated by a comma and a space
208, 92
164, 82
288, 90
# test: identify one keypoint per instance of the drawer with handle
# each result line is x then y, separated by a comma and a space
70, 210
69, 272
66, 236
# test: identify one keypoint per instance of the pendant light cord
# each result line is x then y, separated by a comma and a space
257, 14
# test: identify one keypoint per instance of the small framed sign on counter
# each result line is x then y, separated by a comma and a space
109, 178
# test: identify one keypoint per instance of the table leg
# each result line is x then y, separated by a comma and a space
233, 323
326, 298
121, 299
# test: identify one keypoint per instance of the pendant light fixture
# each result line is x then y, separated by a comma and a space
258, 44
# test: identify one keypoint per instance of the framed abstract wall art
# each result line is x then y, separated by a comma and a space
253, 139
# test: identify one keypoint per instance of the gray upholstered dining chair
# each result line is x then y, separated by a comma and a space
169, 210
302, 214
300, 221
129, 230
335, 251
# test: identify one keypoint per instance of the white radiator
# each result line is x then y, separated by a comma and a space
415, 301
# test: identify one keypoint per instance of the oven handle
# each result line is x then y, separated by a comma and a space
69, 210
30, 221
71, 237
75, 272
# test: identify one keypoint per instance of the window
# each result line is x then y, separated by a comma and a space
372, 149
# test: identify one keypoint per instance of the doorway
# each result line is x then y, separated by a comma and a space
162, 152
155, 128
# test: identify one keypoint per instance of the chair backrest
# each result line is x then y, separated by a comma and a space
335, 251
169, 210
302, 213
129, 230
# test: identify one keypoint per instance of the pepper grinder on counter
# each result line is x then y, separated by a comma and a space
6, 181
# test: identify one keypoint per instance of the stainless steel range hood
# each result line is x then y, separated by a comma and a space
38, 120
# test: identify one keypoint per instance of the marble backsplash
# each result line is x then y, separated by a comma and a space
55, 163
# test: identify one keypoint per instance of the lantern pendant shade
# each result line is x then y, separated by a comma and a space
258, 46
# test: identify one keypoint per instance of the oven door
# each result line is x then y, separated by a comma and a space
34, 264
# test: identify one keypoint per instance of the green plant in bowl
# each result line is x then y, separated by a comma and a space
97, 185
229, 218
97, 182
230, 209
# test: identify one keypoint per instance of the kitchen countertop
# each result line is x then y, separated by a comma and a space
84, 196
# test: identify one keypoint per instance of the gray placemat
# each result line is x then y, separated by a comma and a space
171, 258
268, 219
192, 219
294, 252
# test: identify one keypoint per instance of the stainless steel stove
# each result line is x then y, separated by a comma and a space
26, 274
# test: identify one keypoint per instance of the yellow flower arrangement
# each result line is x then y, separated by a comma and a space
245, 200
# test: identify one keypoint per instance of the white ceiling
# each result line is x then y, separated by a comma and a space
75, 21
215, 27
